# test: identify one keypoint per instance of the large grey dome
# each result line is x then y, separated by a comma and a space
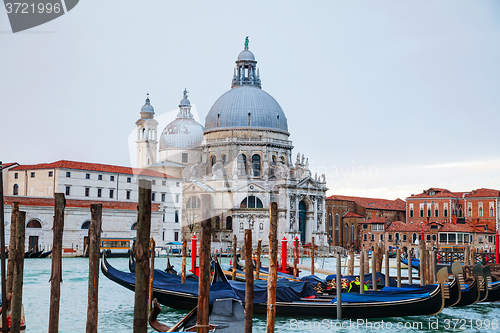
182, 133
246, 106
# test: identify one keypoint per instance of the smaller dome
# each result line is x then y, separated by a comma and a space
147, 107
182, 133
246, 55
184, 102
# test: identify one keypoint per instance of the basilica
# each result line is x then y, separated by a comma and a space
242, 158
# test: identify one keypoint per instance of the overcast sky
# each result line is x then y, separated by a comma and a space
386, 97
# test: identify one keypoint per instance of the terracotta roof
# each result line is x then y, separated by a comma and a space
483, 192
438, 193
63, 164
352, 214
49, 202
399, 226
444, 193
376, 220
6, 165
371, 203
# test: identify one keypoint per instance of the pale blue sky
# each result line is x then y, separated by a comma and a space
387, 97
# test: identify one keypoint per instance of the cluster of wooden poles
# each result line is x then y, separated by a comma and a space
12, 277
143, 282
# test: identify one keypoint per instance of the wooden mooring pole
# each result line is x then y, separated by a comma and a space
233, 275
12, 246
312, 255
362, 272
17, 282
259, 250
94, 251
351, 262
339, 286
410, 268
367, 263
386, 264
295, 257
202, 324
152, 246
273, 267
184, 255
423, 258
56, 274
248, 281
142, 258
398, 266
374, 268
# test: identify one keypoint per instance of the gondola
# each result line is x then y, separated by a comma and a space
46, 254
415, 263
493, 292
454, 287
36, 254
226, 316
470, 293
483, 283
184, 296
27, 254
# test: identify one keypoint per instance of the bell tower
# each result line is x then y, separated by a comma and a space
147, 143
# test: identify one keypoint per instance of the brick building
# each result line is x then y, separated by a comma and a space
441, 236
344, 214
477, 207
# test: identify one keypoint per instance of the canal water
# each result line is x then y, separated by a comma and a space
116, 306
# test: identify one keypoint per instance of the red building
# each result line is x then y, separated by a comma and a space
477, 208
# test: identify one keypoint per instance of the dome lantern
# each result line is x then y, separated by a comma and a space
147, 110
246, 105
246, 72
184, 132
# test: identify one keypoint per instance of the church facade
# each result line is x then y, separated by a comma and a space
242, 158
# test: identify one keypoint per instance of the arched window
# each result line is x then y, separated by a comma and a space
213, 160
242, 165
193, 202
352, 233
404, 237
256, 165
229, 223
224, 159
396, 236
134, 226
480, 211
217, 223
414, 237
337, 239
251, 202
381, 237
176, 217
283, 159
346, 234
34, 224
273, 160
15, 190
86, 225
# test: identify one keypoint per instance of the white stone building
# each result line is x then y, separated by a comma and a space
83, 183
